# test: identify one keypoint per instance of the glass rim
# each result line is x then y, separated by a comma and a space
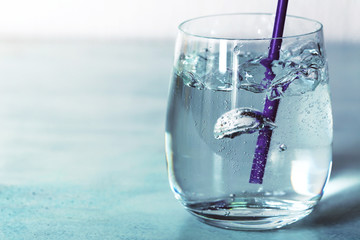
317, 29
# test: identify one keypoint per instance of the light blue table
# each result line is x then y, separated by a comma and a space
81, 146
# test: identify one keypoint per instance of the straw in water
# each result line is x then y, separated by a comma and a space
270, 108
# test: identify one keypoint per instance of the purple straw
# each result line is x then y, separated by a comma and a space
271, 107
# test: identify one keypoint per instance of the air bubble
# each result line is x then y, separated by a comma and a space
282, 147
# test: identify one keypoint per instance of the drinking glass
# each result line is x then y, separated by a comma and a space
222, 89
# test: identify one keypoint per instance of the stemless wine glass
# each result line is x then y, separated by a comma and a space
216, 115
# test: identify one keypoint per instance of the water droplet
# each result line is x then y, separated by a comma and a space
239, 121
282, 147
227, 213
232, 195
237, 49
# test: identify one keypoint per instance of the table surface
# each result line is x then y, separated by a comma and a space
81, 146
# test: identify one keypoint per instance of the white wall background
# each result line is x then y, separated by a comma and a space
116, 19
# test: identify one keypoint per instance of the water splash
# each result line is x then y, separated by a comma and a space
301, 69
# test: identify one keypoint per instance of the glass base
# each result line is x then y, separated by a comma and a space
245, 215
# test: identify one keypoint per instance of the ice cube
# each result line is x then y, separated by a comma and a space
297, 74
192, 80
295, 84
295, 49
252, 74
239, 121
221, 81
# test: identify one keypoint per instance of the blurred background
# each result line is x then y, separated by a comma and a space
110, 19
83, 91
